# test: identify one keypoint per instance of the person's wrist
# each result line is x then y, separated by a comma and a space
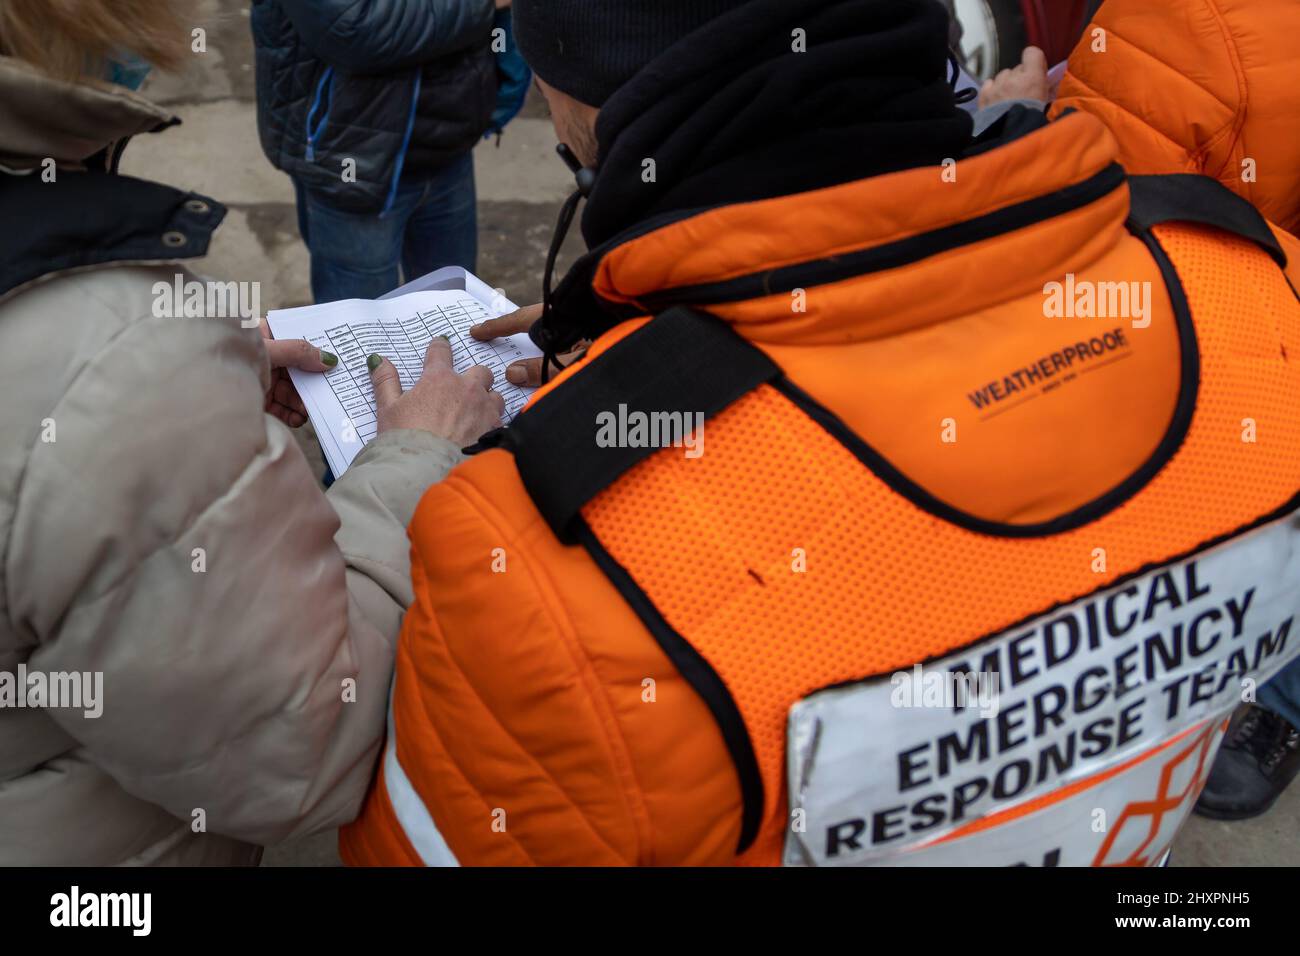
408, 442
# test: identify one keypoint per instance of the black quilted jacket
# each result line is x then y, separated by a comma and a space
352, 94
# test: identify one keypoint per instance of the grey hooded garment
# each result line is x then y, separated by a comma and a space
243, 694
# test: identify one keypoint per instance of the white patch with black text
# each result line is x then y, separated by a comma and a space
1108, 715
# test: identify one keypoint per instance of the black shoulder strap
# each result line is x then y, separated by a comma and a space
682, 361
1187, 197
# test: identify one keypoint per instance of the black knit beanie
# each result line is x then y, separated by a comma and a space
589, 48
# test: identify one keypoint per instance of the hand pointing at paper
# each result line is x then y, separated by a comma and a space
460, 408
529, 371
282, 399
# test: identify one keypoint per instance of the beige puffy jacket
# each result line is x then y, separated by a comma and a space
224, 724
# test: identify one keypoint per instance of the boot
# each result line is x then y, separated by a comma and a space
1259, 757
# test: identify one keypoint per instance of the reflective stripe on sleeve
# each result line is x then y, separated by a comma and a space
409, 809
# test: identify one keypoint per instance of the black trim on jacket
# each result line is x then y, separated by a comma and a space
824, 271
1173, 438
92, 218
699, 673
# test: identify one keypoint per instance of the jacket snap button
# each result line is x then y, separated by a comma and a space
197, 205
174, 239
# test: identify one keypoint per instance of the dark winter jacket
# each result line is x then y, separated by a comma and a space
352, 94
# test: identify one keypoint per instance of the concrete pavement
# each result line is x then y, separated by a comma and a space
520, 185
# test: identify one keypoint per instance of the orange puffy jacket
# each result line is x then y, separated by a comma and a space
998, 419
1198, 86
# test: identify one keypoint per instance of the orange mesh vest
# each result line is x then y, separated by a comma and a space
899, 681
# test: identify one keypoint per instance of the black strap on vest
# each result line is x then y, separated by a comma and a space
680, 361
1187, 197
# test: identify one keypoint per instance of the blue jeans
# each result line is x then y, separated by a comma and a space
1282, 694
432, 223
